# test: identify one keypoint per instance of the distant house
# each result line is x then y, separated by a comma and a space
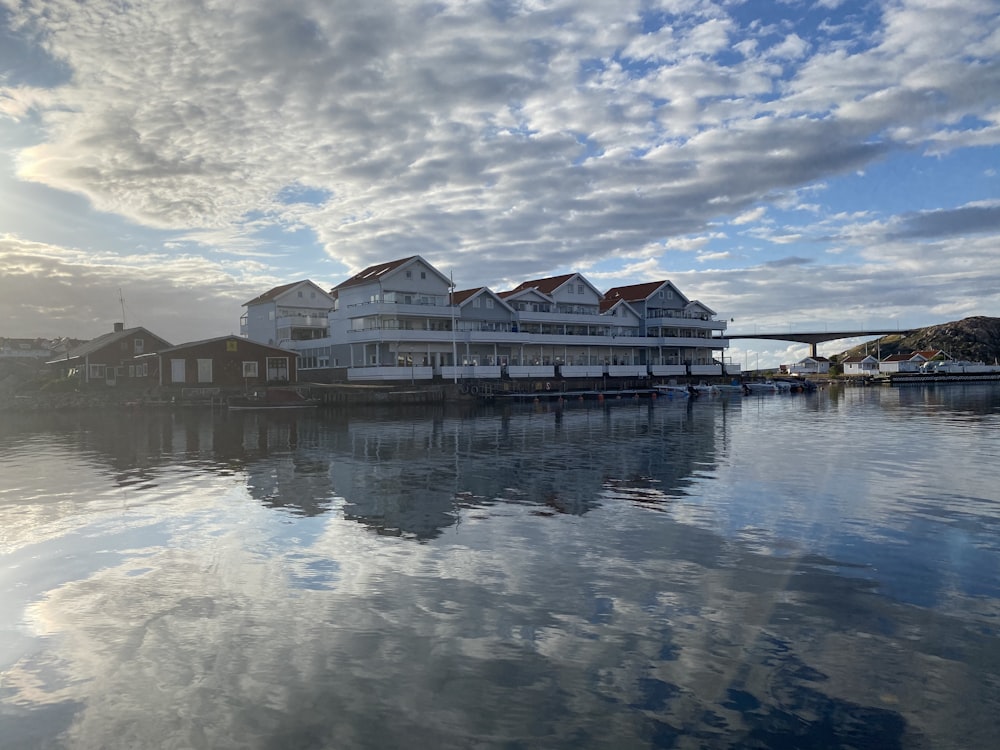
912, 362
25, 349
810, 366
902, 363
105, 360
860, 365
229, 362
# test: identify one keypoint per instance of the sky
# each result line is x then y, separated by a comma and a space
795, 165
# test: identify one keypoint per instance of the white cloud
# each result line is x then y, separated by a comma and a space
499, 145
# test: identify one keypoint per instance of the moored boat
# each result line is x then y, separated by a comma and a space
272, 400
762, 386
675, 391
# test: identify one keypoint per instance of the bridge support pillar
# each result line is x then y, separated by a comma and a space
812, 350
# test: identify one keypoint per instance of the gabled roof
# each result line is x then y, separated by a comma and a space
271, 294
89, 347
633, 292
702, 305
467, 295
459, 297
857, 358
607, 305
380, 270
641, 292
375, 272
529, 291
546, 285
930, 354
189, 344
898, 358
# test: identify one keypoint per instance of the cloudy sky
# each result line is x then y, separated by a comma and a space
793, 164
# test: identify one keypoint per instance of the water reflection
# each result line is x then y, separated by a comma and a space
675, 576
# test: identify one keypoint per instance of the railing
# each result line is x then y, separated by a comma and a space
319, 321
470, 372
582, 371
404, 372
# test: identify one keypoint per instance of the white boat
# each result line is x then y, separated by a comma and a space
730, 388
673, 391
706, 389
767, 386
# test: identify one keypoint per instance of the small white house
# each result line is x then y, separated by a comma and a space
860, 366
909, 362
810, 366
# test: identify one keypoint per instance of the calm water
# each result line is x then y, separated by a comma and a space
796, 571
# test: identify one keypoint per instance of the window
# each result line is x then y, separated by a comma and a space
142, 370
249, 369
277, 368
138, 346
300, 294
409, 274
423, 274
204, 371
96, 371
177, 371
270, 314
477, 302
131, 371
579, 288
489, 303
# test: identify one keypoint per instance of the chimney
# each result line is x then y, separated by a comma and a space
119, 327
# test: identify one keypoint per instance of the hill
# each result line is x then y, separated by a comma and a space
976, 339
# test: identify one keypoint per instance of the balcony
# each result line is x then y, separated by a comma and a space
301, 320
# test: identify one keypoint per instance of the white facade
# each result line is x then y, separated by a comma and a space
287, 314
396, 321
861, 366
811, 366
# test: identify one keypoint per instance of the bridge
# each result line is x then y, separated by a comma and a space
814, 338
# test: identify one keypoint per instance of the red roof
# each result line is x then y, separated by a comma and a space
547, 285
460, 297
272, 293
634, 292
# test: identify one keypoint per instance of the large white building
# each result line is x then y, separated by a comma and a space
403, 320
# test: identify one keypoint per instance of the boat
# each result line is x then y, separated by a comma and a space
271, 400
762, 386
728, 388
706, 389
675, 391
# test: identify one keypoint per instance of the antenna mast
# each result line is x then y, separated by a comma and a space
121, 299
